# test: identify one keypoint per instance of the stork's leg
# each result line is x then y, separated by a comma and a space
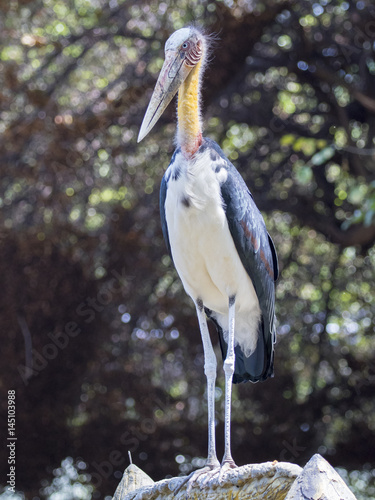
210, 372
229, 370
212, 463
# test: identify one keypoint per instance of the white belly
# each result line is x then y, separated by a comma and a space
206, 259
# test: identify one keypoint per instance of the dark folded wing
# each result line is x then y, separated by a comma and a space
258, 256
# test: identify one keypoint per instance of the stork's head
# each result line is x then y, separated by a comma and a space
183, 51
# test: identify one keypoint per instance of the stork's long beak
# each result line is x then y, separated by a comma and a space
172, 74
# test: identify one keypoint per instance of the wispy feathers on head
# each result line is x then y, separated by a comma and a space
186, 54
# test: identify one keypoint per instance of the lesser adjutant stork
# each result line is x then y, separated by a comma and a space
215, 235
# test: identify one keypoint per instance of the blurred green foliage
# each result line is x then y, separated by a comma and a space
289, 96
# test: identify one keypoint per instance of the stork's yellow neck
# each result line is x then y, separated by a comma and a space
188, 113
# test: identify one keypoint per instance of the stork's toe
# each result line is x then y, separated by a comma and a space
198, 478
226, 466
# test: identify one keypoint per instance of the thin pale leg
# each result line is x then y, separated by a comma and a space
210, 364
229, 362
210, 372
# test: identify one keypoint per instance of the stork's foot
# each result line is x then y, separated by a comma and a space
192, 479
204, 476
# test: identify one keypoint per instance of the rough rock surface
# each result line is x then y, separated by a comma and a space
319, 481
268, 481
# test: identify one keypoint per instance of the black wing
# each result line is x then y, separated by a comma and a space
258, 256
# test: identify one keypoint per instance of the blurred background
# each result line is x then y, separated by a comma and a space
99, 340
